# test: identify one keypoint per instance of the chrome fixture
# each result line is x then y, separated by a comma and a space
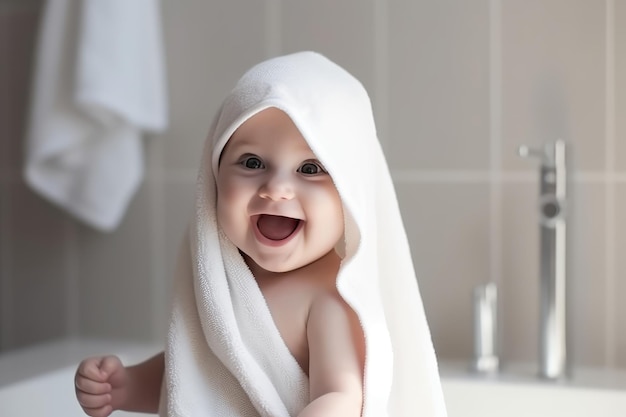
485, 329
552, 212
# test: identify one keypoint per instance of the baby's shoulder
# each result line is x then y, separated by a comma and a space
327, 302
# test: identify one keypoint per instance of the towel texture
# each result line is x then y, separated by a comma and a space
99, 86
224, 355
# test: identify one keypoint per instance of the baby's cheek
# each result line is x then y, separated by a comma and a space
221, 211
222, 197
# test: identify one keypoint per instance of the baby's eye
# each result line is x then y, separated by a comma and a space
311, 168
252, 162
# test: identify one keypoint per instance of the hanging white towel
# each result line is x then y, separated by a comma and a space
99, 86
225, 356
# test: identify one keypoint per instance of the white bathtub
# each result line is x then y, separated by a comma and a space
518, 392
40, 382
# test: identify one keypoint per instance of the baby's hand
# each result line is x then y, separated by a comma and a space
101, 385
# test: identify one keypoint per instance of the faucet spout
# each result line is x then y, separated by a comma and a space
552, 206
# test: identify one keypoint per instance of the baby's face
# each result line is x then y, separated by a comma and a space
275, 201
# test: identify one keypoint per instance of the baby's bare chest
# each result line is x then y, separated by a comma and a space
290, 303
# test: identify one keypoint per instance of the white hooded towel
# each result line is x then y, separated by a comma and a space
224, 355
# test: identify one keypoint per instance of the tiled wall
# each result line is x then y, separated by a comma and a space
456, 87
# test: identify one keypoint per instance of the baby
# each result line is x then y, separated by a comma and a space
280, 305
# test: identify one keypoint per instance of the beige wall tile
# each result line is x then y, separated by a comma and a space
587, 275
38, 267
620, 276
439, 85
208, 46
5, 101
620, 85
18, 30
520, 272
447, 226
115, 277
553, 75
343, 31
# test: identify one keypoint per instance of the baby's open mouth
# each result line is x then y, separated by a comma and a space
276, 227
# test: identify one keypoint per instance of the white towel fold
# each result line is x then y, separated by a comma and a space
99, 85
224, 355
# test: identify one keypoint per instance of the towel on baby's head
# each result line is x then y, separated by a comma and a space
225, 356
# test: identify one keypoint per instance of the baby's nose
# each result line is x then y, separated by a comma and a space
277, 187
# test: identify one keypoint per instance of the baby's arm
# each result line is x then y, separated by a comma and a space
336, 359
103, 385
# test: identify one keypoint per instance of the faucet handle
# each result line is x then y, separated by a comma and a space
528, 152
552, 154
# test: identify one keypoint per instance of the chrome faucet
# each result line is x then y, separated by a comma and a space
486, 329
552, 212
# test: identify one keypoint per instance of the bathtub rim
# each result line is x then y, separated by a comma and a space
597, 378
29, 362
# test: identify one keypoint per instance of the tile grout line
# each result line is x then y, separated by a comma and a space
610, 310
181, 176
495, 133
503, 177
